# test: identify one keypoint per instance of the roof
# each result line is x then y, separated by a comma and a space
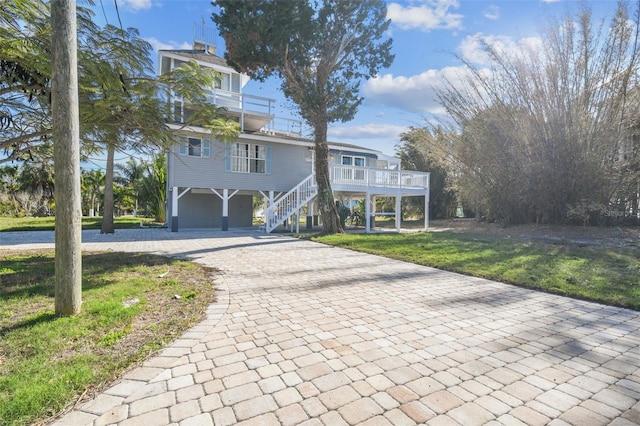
199, 55
335, 146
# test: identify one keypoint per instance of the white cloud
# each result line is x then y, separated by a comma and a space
472, 48
367, 131
171, 45
427, 16
492, 12
136, 5
416, 94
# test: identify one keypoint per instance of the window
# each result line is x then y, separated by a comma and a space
194, 147
248, 158
222, 81
351, 160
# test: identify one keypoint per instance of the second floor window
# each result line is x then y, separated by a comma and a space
195, 147
352, 160
249, 158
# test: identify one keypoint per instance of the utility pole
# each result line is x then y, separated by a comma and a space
66, 155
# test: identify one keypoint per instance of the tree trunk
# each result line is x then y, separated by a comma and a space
326, 203
107, 210
66, 137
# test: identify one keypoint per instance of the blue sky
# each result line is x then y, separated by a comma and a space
428, 38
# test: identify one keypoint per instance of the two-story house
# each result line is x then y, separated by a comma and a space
211, 184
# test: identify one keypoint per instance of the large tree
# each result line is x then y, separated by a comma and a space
321, 50
542, 128
25, 77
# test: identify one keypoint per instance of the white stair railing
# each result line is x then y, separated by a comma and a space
289, 203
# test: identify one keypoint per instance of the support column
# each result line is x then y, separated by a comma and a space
310, 215
426, 212
174, 209
367, 213
398, 211
372, 211
225, 209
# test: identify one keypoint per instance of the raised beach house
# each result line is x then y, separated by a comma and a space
211, 184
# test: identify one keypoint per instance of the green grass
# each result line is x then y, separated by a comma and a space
47, 362
607, 275
48, 223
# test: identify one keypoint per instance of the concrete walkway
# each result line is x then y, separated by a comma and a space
309, 334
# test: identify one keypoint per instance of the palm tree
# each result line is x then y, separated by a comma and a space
92, 185
130, 174
153, 187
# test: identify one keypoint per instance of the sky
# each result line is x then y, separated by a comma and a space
429, 39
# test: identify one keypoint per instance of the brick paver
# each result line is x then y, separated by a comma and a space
308, 334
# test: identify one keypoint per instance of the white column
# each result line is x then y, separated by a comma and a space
225, 209
426, 212
398, 211
367, 212
310, 215
174, 209
372, 211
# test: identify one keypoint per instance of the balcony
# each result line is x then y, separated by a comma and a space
254, 113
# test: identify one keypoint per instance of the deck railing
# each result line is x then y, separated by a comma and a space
243, 104
239, 102
381, 178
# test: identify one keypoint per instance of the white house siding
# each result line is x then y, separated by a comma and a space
205, 211
288, 168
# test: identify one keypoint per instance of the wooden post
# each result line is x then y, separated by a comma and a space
66, 153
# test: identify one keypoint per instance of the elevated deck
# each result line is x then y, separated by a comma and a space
378, 181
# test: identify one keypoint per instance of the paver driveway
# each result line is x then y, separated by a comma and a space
309, 334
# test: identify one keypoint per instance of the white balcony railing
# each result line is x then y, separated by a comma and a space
381, 178
248, 107
239, 102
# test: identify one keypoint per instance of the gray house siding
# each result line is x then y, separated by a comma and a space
288, 168
205, 211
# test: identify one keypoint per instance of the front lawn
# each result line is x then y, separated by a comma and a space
129, 310
606, 274
48, 223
